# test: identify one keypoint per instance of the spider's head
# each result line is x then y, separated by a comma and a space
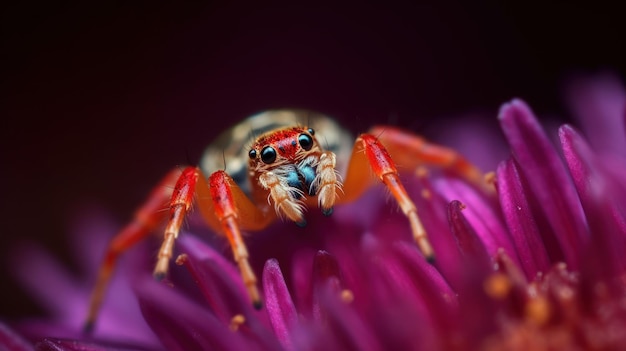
282, 146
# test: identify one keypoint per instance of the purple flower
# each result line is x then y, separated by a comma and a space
537, 264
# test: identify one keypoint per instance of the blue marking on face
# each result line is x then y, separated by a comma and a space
293, 180
302, 179
308, 173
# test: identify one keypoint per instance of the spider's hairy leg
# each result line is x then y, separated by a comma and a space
145, 221
368, 152
227, 210
180, 205
410, 150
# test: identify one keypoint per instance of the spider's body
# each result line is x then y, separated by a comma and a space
278, 164
280, 130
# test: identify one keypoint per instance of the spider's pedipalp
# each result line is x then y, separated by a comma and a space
282, 195
327, 182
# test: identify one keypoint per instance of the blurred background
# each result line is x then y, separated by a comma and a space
100, 100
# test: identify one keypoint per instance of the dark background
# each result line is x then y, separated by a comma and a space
99, 101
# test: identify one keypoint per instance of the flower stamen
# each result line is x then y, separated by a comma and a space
236, 322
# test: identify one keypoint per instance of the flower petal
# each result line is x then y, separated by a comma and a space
10, 340
599, 104
280, 307
520, 221
325, 274
51, 344
342, 328
480, 214
470, 246
447, 256
475, 307
437, 294
604, 201
547, 178
222, 287
182, 324
218, 279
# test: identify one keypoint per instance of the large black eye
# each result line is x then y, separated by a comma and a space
252, 154
268, 155
305, 141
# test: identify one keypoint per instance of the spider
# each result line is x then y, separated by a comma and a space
278, 165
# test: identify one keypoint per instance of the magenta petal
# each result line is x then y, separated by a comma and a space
599, 104
481, 215
325, 273
325, 266
604, 201
42, 270
222, 287
470, 246
343, 328
50, 344
182, 324
10, 340
280, 307
436, 293
547, 178
301, 280
518, 216
218, 279
447, 255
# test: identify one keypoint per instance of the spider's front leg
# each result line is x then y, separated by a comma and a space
368, 152
224, 207
227, 210
411, 151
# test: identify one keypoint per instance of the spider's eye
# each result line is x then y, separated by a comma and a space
268, 155
311, 131
252, 154
305, 141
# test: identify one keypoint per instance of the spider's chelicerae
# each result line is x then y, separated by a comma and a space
279, 162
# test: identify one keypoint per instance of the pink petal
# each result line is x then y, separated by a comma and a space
432, 209
222, 287
10, 340
218, 279
547, 178
325, 274
480, 212
280, 307
521, 223
604, 201
436, 293
53, 344
182, 324
599, 104
343, 328
470, 246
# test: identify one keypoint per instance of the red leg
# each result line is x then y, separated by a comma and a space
228, 210
410, 150
180, 205
368, 152
147, 218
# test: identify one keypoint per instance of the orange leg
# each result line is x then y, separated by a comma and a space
369, 152
147, 218
410, 151
224, 207
228, 210
180, 205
